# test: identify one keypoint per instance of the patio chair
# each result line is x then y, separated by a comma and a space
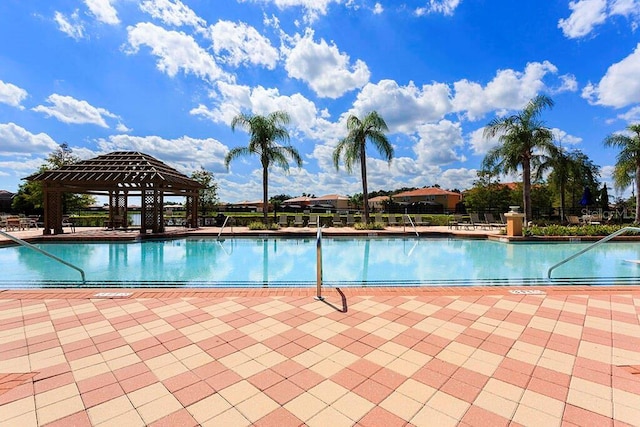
490, 220
379, 219
454, 222
350, 220
420, 221
573, 220
283, 220
314, 220
393, 220
68, 222
337, 220
475, 222
298, 221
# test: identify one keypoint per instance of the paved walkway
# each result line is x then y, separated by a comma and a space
367, 357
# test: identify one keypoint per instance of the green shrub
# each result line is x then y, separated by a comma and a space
257, 225
370, 226
561, 230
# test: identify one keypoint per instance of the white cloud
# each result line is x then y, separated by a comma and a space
620, 85
120, 127
312, 8
438, 143
234, 99
19, 141
509, 89
585, 15
564, 138
173, 13
71, 26
71, 110
12, 95
631, 116
568, 83
322, 66
243, 44
479, 144
175, 51
403, 107
588, 14
445, 7
185, 154
378, 9
103, 10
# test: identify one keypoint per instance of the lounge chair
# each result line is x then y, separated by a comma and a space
454, 222
573, 220
475, 222
350, 220
314, 220
298, 221
283, 220
68, 222
488, 217
378, 218
393, 220
420, 221
337, 221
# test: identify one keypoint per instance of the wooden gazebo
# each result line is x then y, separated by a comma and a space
120, 175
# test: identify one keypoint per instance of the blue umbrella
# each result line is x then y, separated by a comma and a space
586, 197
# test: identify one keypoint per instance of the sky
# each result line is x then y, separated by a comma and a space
166, 78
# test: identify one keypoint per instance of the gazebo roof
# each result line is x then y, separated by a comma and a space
125, 170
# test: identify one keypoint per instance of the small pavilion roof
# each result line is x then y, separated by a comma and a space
120, 169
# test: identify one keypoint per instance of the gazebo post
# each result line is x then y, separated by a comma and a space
52, 200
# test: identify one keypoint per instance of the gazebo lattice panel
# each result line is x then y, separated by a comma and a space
120, 175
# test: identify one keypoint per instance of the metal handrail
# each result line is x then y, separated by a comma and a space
588, 248
319, 264
224, 224
45, 253
412, 225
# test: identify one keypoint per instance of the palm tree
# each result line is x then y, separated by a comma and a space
568, 168
522, 135
353, 146
265, 133
627, 168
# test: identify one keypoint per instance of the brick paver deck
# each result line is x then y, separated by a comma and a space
368, 357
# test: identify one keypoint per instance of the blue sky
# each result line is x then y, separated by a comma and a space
166, 77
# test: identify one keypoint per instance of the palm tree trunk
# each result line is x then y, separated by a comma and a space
526, 189
365, 194
637, 220
265, 193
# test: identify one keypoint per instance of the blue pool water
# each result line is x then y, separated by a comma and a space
346, 261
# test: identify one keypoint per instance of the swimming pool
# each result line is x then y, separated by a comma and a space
201, 262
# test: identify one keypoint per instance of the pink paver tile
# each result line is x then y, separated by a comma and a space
548, 388
180, 381
372, 391
284, 391
381, 417
101, 395
96, 382
477, 416
177, 343
288, 368
584, 418
462, 391
79, 419
130, 371
209, 370
53, 382
279, 418
137, 382
180, 418
265, 379
365, 367
193, 393
306, 379
223, 380
291, 349
359, 349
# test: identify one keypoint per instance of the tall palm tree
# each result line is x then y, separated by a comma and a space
265, 135
523, 137
353, 147
571, 169
627, 168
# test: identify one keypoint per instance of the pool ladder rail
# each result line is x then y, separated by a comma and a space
593, 245
45, 253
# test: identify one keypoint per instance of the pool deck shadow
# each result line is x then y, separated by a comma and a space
365, 356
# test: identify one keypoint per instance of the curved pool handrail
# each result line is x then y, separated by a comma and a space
593, 245
224, 225
45, 253
412, 225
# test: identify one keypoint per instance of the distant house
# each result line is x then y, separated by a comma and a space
245, 206
302, 202
6, 197
330, 202
377, 203
429, 196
